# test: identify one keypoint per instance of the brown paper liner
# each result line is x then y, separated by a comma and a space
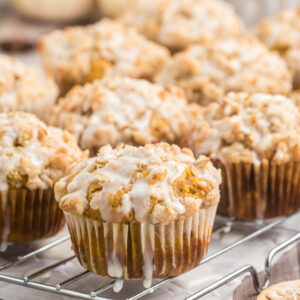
141, 250
27, 215
259, 191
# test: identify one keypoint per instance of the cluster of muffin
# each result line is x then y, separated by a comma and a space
181, 73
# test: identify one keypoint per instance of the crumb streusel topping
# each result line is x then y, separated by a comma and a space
106, 48
33, 155
123, 110
160, 183
249, 127
282, 34
207, 72
23, 88
179, 23
289, 290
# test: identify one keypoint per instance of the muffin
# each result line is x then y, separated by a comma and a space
23, 88
288, 290
140, 212
117, 8
54, 10
80, 54
255, 140
177, 24
122, 110
253, 11
209, 71
282, 34
32, 158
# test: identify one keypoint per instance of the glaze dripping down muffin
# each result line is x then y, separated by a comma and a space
135, 195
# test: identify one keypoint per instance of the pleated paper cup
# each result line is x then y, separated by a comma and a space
28, 215
141, 250
257, 191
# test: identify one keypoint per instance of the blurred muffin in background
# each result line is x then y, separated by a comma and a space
253, 11
255, 140
33, 157
24, 88
122, 110
81, 54
115, 8
282, 34
177, 24
54, 10
208, 71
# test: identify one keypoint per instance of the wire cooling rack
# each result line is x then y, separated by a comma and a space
30, 280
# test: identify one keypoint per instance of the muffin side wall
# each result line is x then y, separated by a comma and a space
260, 191
141, 250
28, 215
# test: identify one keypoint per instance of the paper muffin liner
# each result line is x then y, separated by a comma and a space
259, 191
27, 215
141, 250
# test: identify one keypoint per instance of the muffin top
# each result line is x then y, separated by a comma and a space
207, 72
158, 183
282, 34
288, 290
180, 23
248, 127
33, 155
24, 88
107, 47
122, 110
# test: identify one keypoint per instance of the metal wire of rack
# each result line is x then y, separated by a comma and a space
62, 288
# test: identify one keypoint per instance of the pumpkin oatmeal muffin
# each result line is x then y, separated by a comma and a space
140, 212
177, 24
282, 34
80, 54
209, 71
122, 110
23, 88
32, 158
255, 140
288, 290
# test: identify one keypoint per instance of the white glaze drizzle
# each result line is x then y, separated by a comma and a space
249, 125
122, 110
118, 285
121, 171
147, 232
